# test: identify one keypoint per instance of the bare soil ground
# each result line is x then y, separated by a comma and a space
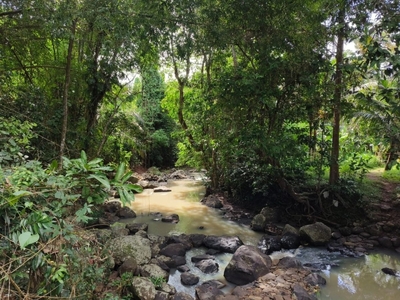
384, 206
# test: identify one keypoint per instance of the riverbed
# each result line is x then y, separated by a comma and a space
347, 278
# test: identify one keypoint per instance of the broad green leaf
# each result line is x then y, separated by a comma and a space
26, 238
126, 176
120, 172
133, 187
102, 179
83, 157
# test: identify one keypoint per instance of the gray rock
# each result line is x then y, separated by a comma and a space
170, 250
212, 201
161, 296
167, 288
289, 262
189, 278
135, 227
118, 229
271, 214
316, 234
197, 239
247, 264
112, 206
290, 241
183, 269
143, 288
315, 279
301, 293
207, 266
179, 174
125, 213
290, 229
182, 296
161, 189
269, 244
208, 291
174, 218
201, 257
103, 235
153, 270
258, 223
182, 239
122, 248
385, 242
128, 266
223, 243
389, 271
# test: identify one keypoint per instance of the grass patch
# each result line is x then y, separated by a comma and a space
392, 175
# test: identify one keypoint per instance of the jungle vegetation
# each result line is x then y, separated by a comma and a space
290, 100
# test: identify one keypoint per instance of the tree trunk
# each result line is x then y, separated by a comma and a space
334, 167
65, 92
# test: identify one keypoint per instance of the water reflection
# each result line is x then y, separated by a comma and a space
362, 278
184, 200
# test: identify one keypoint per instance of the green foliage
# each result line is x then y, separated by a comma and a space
40, 210
157, 281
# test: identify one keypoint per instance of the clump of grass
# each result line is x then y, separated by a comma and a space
392, 175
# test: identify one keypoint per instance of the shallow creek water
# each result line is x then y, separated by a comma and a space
354, 278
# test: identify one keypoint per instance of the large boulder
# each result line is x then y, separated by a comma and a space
247, 264
122, 248
142, 288
316, 234
128, 266
258, 223
223, 243
197, 239
118, 229
182, 296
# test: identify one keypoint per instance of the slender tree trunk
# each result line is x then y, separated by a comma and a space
334, 167
65, 93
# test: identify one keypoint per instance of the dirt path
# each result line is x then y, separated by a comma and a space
385, 207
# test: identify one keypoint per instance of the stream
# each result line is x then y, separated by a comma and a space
347, 278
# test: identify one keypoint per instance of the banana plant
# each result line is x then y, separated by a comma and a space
124, 188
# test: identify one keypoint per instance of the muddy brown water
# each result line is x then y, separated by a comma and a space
355, 278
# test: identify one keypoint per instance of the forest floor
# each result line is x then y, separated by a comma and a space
384, 199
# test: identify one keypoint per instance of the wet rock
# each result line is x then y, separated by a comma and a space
179, 174
247, 264
258, 223
290, 241
112, 206
161, 296
389, 271
143, 289
135, 227
385, 242
177, 261
122, 248
180, 239
302, 294
167, 288
161, 189
208, 291
223, 243
128, 266
212, 251
336, 235
160, 263
125, 213
174, 218
183, 269
212, 201
396, 242
290, 229
207, 266
182, 296
201, 257
345, 231
289, 262
315, 279
269, 244
316, 234
197, 239
189, 279
153, 270
170, 250
357, 230
218, 284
